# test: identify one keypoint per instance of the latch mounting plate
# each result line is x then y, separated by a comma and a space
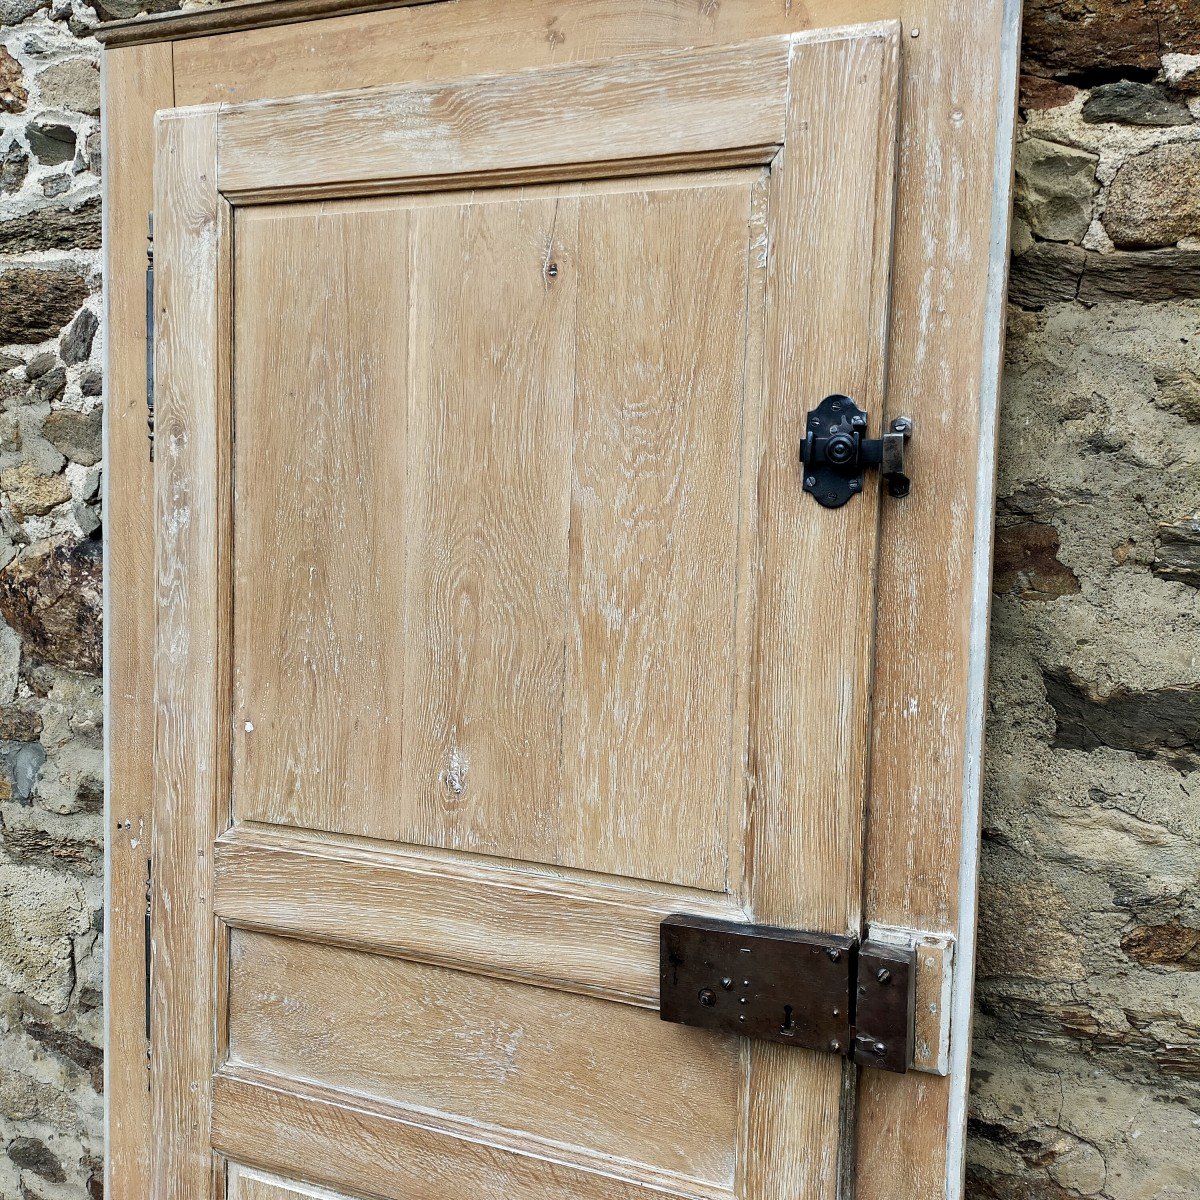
836, 450
783, 985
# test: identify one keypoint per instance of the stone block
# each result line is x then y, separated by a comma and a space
1055, 189
1154, 200
36, 302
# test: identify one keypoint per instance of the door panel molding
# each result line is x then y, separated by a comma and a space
454, 910
354, 1143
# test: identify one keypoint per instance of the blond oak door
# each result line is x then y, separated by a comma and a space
494, 624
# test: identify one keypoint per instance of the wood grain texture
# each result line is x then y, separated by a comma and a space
244, 1183
489, 402
661, 414
504, 1055
138, 81
665, 105
830, 202
192, 685
474, 914
320, 469
354, 1143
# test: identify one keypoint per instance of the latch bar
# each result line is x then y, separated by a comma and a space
818, 991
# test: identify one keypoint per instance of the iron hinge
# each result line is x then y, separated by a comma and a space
150, 332
836, 449
818, 991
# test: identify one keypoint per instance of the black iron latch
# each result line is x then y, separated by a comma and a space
836, 449
818, 991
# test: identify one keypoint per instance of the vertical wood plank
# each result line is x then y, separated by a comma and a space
192, 684
493, 350
319, 478
659, 412
138, 81
831, 203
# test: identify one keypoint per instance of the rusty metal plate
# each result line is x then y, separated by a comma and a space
759, 981
885, 1004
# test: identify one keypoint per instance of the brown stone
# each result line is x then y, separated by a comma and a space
70, 1047
1154, 199
1038, 93
1171, 945
1177, 555
1047, 273
36, 303
28, 1154
1179, 393
13, 93
51, 595
1027, 563
1081, 37
58, 228
32, 494
19, 725
1153, 276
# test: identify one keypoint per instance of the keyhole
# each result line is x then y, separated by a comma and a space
787, 1026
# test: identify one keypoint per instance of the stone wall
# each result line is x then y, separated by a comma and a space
50, 701
1087, 1042
1087, 1049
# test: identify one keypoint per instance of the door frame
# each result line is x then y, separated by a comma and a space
958, 113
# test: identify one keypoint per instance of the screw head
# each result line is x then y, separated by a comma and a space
707, 997
879, 1049
727, 983
810, 481
833, 952
883, 974
835, 1046
854, 485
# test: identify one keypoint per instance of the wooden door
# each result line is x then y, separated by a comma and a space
494, 624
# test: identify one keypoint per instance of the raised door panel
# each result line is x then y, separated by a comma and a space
487, 589
490, 520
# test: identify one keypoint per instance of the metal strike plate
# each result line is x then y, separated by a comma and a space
885, 1006
756, 980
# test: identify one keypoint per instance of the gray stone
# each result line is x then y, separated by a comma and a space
73, 84
93, 149
13, 93
1161, 722
56, 185
36, 302
1128, 102
91, 381
13, 12
77, 435
1055, 189
52, 143
1154, 200
14, 166
40, 913
49, 387
61, 228
1177, 554
40, 364
76, 343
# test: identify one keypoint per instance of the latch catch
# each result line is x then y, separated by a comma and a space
835, 451
818, 991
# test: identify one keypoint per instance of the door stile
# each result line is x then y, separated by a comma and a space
809, 742
192, 669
